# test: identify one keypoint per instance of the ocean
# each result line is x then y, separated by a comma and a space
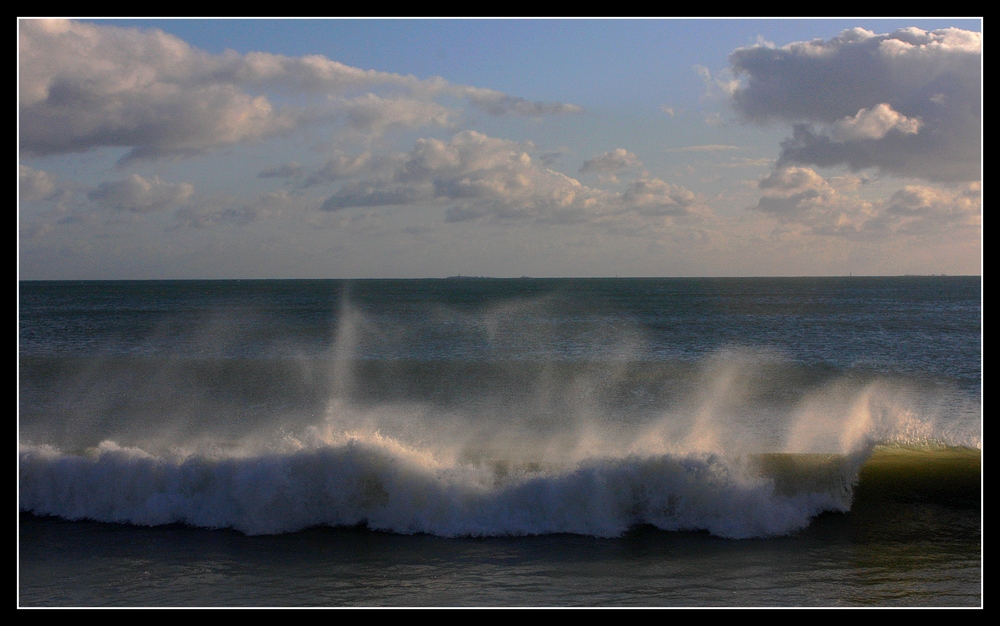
674, 442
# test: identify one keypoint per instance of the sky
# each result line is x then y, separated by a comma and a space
352, 148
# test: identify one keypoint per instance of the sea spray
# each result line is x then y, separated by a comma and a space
517, 417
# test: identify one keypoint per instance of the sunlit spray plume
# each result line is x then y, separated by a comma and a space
342, 414
344, 349
516, 399
720, 387
844, 418
716, 410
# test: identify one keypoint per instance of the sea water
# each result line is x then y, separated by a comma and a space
473, 441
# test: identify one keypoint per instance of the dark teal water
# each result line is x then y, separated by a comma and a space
922, 325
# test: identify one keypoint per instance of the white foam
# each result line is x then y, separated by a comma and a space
386, 485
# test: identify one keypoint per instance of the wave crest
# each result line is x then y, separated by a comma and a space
376, 481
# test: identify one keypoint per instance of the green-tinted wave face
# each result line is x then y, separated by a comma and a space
950, 476
944, 475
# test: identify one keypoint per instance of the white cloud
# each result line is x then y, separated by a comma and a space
652, 196
792, 179
484, 174
918, 209
721, 85
908, 102
85, 85
800, 196
873, 124
136, 194
375, 115
37, 186
791, 191
485, 177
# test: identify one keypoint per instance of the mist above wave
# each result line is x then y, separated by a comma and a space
583, 428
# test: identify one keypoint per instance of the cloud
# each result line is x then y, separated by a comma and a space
703, 148
379, 193
873, 124
907, 103
919, 209
499, 104
36, 184
40, 186
793, 190
800, 196
747, 162
486, 177
84, 85
721, 85
652, 196
484, 174
800, 199
211, 211
292, 169
550, 159
136, 194
341, 166
610, 162
375, 115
